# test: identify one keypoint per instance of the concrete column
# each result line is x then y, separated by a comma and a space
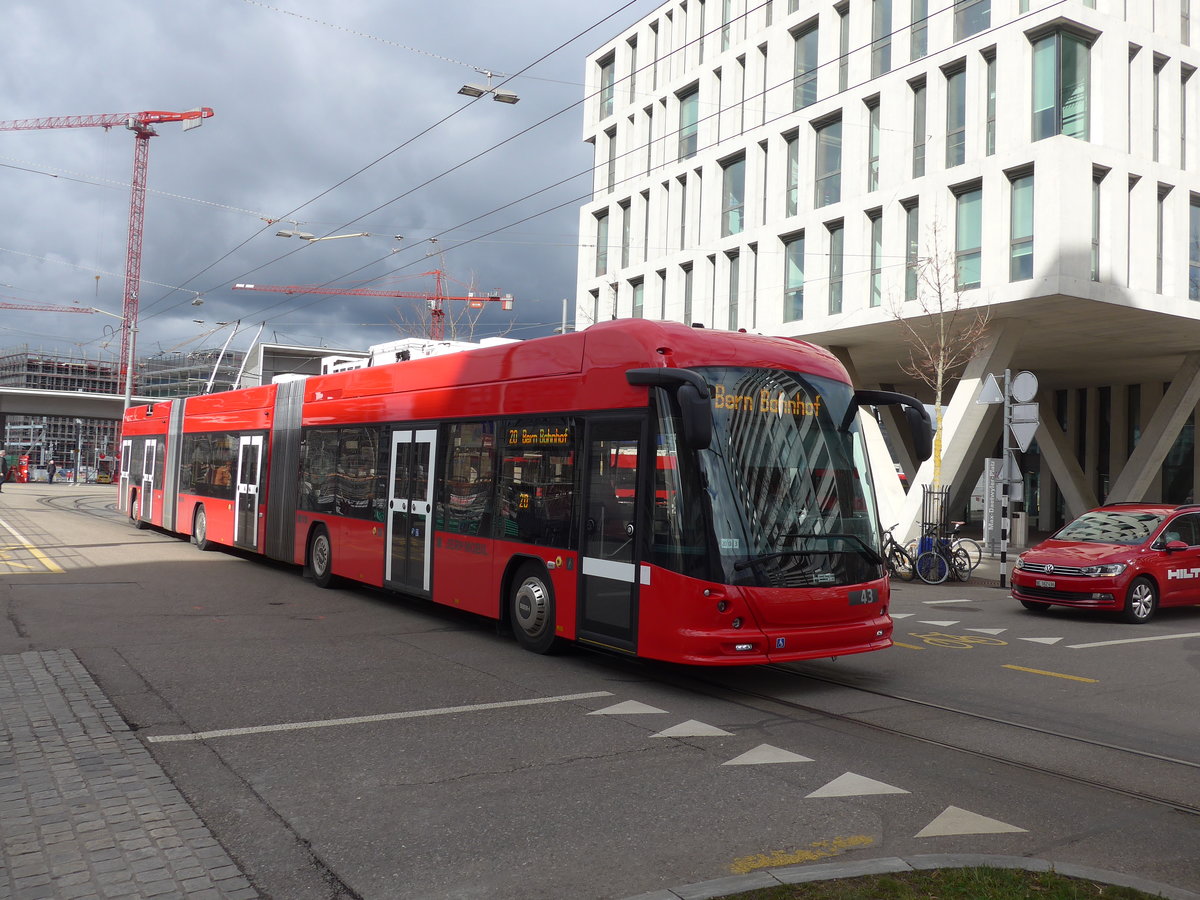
1145, 463
1118, 418
964, 422
1058, 457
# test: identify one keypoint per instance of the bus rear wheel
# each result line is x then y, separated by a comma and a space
320, 557
135, 511
200, 530
531, 609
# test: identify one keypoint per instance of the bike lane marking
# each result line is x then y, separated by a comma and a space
1053, 674
51, 565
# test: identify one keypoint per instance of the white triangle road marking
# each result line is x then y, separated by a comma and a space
942, 602
959, 821
851, 785
692, 728
903, 615
988, 630
765, 753
628, 708
939, 624
1042, 640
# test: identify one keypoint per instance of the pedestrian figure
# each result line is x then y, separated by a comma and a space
50, 470
3, 471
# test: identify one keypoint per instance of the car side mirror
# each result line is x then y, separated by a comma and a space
1175, 546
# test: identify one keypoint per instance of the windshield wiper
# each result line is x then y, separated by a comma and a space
863, 548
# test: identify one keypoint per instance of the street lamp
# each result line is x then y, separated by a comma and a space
78, 448
499, 94
129, 361
306, 236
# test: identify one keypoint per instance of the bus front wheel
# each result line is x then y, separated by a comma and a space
320, 557
531, 609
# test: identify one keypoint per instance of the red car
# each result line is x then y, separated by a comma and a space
1127, 557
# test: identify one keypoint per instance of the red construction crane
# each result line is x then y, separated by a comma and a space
437, 312
140, 123
41, 308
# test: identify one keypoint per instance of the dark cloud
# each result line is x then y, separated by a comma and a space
299, 107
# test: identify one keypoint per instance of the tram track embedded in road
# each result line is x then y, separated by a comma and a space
707, 683
85, 505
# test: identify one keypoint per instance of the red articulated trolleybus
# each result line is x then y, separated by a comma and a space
676, 493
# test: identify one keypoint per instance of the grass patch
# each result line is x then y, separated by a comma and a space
949, 884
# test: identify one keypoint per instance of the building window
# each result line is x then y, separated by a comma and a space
726, 27
1020, 240
875, 218
881, 37
1161, 227
792, 199
733, 196
735, 276
638, 289
626, 229
968, 238
1185, 21
1156, 105
971, 17
610, 139
633, 69
645, 226
1097, 178
688, 291
837, 241
654, 56
793, 278
956, 118
873, 144
602, 242
918, 163
990, 134
829, 164
607, 71
1060, 86
804, 86
683, 211
912, 262
843, 13
689, 117
1185, 76
1194, 248
918, 33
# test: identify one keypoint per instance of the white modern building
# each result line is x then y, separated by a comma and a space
789, 166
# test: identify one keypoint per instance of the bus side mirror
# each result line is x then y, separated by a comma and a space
915, 414
697, 418
921, 430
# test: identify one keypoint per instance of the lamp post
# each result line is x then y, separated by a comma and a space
78, 449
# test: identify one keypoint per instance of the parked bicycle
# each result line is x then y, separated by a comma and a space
943, 560
971, 548
899, 562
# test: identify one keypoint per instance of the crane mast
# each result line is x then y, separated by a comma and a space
141, 124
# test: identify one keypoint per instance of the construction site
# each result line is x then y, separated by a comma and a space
66, 439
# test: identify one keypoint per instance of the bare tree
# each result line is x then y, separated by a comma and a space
941, 333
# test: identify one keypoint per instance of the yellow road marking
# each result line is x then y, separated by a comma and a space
906, 646
819, 850
1054, 674
46, 561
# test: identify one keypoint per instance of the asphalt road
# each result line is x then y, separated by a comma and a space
347, 743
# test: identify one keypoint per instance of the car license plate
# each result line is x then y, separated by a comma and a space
1043, 582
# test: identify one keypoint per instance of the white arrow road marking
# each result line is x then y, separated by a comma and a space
692, 728
959, 821
628, 708
851, 785
903, 615
1042, 640
765, 753
988, 630
939, 624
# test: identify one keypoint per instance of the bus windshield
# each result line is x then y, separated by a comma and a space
791, 497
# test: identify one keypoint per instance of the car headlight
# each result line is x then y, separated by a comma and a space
1108, 570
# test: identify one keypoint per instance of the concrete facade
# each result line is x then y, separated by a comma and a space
1061, 148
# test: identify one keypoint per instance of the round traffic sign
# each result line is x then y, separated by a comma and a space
1023, 387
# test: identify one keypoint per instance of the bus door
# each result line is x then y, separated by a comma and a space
610, 564
249, 475
147, 489
123, 479
410, 509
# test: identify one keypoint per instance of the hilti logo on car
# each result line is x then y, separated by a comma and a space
1183, 573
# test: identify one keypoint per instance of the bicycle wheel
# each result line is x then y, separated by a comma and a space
971, 548
932, 567
900, 563
960, 564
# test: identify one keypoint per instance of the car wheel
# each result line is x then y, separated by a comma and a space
320, 557
1141, 600
1034, 606
200, 530
531, 609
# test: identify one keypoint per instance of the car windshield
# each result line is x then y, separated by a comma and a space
1107, 526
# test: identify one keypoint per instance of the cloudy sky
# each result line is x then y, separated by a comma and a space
342, 117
